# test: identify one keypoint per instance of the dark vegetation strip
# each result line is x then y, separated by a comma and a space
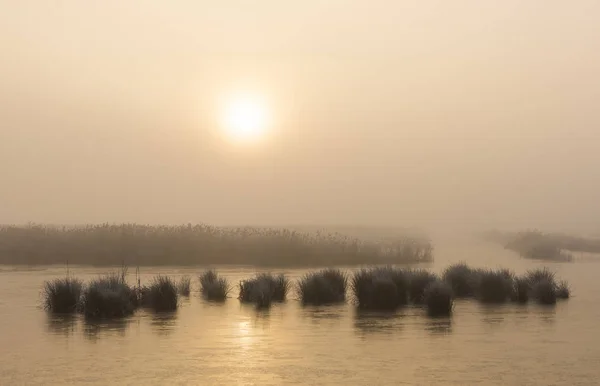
109, 245
379, 288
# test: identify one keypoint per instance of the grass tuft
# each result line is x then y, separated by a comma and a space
324, 287
383, 288
161, 295
521, 289
544, 292
494, 286
264, 286
61, 296
184, 285
418, 280
213, 287
563, 291
462, 279
108, 297
438, 299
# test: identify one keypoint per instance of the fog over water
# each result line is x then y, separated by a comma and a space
439, 115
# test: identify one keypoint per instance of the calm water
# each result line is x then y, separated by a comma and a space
232, 344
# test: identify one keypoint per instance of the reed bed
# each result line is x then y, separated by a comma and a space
201, 245
384, 288
438, 299
161, 295
327, 286
213, 287
108, 297
62, 296
381, 288
264, 289
184, 286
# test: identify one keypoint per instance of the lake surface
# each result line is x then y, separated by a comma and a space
231, 344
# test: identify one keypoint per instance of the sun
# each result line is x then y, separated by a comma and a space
245, 118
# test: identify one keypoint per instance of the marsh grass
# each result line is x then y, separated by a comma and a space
213, 287
108, 297
438, 299
202, 245
494, 286
264, 289
544, 292
184, 285
563, 290
62, 296
161, 295
327, 286
462, 279
418, 280
381, 288
521, 290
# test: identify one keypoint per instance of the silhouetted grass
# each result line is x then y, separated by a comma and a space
108, 297
62, 296
536, 275
201, 245
418, 280
438, 299
213, 287
462, 279
544, 292
277, 287
521, 289
563, 291
494, 286
380, 288
323, 287
184, 285
161, 295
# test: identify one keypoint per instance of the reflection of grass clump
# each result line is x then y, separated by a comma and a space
61, 296
438, 299
324, 287
213, 287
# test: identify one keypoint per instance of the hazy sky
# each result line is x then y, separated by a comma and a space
414, 113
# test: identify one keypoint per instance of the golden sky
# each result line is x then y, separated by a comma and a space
413, 113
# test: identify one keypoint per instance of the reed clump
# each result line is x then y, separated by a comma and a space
462, 279
62, 296
184, 285
418, 281
213, 287
327, 286
264, 289
161, 295
438, 299
382, 288
108, 297
494, 286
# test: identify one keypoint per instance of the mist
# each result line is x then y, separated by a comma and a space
439, 115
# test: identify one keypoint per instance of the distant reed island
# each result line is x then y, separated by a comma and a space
538, 245
145, 245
